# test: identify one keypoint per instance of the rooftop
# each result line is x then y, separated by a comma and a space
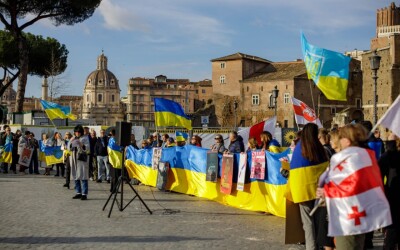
279, 71
238, 56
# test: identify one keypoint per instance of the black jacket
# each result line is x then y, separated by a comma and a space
99, 148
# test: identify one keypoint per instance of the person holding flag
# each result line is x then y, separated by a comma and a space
353, 191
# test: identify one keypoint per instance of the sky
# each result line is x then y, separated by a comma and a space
178, 38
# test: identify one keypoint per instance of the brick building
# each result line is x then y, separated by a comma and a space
387, 45
249, 81
141, 91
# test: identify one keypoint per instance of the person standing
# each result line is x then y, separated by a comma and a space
236, 145
6, 139
23, 143
389, 164
219, 144
15, 156
100, 151
34, 165
66, 155
79, 147
57, 141
306, 166
133, 142
164, 140
92, 159
268, 143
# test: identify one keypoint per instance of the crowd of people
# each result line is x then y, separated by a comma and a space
86, 158
314, 146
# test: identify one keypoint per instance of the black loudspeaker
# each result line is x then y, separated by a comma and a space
123, 132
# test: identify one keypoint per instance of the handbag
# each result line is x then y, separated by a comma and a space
82, 156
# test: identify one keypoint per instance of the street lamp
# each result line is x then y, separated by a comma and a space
275, 93
235, 106
375, 61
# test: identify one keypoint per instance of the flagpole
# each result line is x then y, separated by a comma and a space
312, 96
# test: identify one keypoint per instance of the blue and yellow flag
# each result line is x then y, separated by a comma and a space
54, 110
169, 113
6, 154
53, 154
328, 69
114, 153
181, 136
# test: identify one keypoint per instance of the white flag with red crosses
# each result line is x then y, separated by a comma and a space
354, 193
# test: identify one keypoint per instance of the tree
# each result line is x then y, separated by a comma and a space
66, 12
43, 53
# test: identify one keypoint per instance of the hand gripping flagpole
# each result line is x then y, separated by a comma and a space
319, 202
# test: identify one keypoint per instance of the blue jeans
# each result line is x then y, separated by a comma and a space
81, 190
102, 163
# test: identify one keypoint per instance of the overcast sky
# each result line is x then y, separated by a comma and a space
178, 38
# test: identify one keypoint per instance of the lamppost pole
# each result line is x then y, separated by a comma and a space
275, 93
375, 64
235, 106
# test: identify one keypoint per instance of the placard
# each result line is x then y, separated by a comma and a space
25, 157
212, 166
156, 157
226, 174
241, 172
162, 175
257, 165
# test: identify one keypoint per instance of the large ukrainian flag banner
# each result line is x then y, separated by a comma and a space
53, 154
169, 113
188, 176
54, 110
328, 69
6, 155
114, 153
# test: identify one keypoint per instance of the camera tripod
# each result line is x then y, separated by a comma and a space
119, 189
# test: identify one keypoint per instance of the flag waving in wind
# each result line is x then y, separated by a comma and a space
170, 113
328, 69
304, 114
257, 129
391, 119
54, 110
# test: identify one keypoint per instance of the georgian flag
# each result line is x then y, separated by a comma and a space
304, 114
257, 129
354, 193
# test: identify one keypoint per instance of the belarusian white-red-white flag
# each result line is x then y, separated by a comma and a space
354, 193
391, 119
304, 114
257, 129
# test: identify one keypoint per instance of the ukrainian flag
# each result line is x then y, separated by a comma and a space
114, 153
303, 177
169, 113
188, 175
53, 155
328, 69
181, 136
6, 155
53, 110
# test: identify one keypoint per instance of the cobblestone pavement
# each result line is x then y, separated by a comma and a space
38, 213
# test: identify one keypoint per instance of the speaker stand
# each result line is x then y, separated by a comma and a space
119, 189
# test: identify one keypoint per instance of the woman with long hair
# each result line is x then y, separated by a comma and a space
268, 143
309, 157
57, 140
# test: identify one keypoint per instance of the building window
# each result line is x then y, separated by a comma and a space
222, 65
358, 103
262, 88
197, 91
247, 88
141, 108
222, 79
112, 98
141, 98
87, 98
100, 98
333, 110
203, 91
255, 99
285, 123
286, 98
